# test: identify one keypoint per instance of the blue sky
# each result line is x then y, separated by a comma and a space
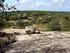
49, 5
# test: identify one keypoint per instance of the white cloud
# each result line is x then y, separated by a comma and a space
39, 4
58, 2
25, 1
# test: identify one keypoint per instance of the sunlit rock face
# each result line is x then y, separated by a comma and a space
30, 29
46, 42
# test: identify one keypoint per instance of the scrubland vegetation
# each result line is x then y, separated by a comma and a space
55, 21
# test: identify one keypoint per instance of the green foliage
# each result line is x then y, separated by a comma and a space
2, 23
54, 25
23, 23
44, 20
65, 24
9, 24
53, 20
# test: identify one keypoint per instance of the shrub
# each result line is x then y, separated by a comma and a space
2, 23
54, 25
9, 24
45, 20
65, 24
23, 23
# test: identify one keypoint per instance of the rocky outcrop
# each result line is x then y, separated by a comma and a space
31, 30
47, 42
6, 38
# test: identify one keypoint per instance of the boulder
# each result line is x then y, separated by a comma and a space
30, 29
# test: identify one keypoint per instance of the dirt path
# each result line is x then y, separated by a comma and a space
47, 42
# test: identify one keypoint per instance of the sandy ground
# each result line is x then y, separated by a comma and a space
46, 42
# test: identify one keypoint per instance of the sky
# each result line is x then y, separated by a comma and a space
45, 5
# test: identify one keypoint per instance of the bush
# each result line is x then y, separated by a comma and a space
2, 23
65, 24
54, 25
45, 20
23, 24
9, 24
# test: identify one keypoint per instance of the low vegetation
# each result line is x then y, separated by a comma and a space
59, 21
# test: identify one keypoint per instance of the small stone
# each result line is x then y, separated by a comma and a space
37, 31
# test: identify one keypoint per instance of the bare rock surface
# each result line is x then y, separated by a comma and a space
46, 42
